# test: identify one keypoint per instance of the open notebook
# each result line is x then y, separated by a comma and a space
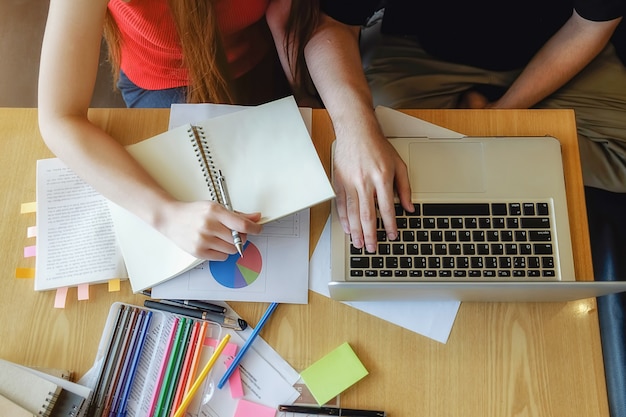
491, 224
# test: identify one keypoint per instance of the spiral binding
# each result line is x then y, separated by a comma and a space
205, 159
48, 406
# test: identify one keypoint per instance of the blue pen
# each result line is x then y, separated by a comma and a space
246, 345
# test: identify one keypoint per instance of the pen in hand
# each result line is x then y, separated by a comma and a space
221, 184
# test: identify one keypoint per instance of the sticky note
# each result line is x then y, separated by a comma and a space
229, 350
24, 272
234, 382
83, 292
333, 374
114, 285
31, 231
30, 251
28, 207
248, 408
60, 297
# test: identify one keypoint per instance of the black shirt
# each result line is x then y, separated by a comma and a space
491, 34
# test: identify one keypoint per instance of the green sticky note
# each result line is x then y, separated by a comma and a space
333, 374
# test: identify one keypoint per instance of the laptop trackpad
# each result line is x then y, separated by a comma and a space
448, 167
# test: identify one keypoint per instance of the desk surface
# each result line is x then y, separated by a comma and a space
501, 359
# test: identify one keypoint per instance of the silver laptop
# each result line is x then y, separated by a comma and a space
491, 224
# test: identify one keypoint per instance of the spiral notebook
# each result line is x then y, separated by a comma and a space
265, 154
25, 392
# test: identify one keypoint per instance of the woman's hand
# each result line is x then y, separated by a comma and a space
204, 228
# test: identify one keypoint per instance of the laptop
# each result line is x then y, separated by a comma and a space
490, 224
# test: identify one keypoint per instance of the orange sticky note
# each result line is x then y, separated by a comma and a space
24, 272
61, 296
28, 207
114, 285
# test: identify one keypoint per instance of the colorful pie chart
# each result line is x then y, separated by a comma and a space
237, 271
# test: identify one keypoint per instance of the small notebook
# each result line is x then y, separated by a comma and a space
26, 390
266, 156
9, 408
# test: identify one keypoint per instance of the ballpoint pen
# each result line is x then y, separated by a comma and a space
331, 411
202, 305
221, 184
226, 321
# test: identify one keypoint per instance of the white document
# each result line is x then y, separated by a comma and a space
396, 124
274, 269
262, 384
76, 241
433, 319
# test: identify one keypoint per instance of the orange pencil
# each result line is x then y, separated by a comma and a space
195, 361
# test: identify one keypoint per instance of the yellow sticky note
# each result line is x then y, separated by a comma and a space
114, 285
29, 207
333, 374
24, 272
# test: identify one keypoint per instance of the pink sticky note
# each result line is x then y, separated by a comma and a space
234, 382
83, 292
30, 251
247, 408
60, 297
229, 350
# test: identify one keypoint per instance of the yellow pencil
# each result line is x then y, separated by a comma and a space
203, 374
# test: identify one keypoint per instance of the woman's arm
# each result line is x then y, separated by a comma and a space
68, 68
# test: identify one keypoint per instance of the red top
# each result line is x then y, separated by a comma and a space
151, 52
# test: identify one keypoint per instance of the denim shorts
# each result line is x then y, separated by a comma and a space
137, 97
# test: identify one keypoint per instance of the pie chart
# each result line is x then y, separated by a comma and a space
237, 271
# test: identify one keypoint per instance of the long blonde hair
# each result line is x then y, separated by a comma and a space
202, 50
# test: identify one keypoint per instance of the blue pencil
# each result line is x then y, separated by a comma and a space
143, 333
246, 345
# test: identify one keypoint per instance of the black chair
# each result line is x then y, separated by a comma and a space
606, 213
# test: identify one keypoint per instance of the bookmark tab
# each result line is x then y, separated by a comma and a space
28, 207
114, 285
30, 251
60, 297
24, 272
31, 231
83, 292
333, 374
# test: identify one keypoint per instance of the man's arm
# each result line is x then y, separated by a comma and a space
366, 167
570, 50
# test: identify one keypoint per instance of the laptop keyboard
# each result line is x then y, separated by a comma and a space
466, 241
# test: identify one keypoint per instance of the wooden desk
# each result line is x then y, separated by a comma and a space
527, 359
